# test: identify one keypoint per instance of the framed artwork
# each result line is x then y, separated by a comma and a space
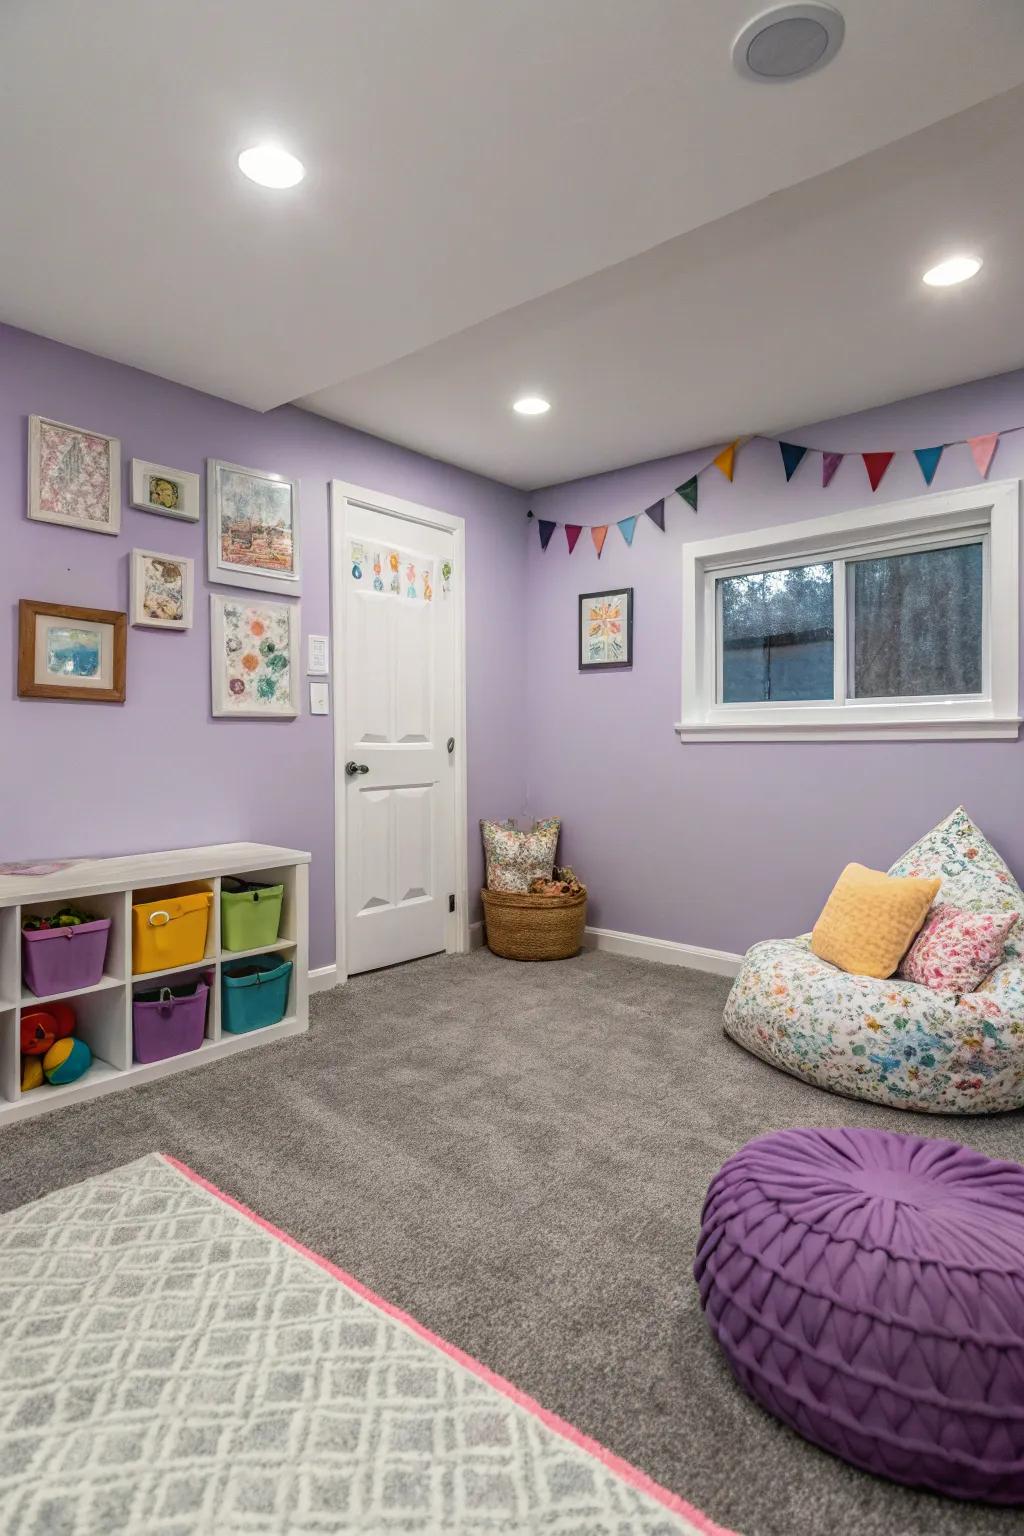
168, 492
162, 588
71, 653
252, 528
255, 661
74, 476
606, 629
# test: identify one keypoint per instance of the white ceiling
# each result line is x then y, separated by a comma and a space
573, 196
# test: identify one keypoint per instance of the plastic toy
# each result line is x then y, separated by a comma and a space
66, 1061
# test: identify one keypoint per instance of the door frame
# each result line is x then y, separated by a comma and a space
342, 494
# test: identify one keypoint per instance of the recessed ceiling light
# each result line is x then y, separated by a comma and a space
532, 405
788, 41
957, 269
271, 166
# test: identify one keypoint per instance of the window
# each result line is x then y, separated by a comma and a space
897, 621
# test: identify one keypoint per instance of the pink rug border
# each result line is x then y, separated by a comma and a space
623, 1469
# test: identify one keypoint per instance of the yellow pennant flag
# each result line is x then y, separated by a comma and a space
726, 460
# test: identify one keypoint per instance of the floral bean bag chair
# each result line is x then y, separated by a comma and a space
895, 1042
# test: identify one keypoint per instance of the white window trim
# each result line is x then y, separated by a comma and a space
990, 510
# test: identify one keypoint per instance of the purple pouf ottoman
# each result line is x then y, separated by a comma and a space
868, 1289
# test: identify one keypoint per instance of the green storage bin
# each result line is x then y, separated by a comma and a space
250, 914
254, 993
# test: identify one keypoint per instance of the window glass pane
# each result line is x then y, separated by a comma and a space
917, 624
777, 635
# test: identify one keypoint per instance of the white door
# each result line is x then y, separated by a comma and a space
399, 748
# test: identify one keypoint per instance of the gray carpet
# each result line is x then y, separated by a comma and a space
517, 1155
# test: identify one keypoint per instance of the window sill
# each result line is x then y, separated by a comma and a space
934, 727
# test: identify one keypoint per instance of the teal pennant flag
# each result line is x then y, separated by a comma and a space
928, 459
627, 527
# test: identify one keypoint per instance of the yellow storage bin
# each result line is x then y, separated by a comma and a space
170, 932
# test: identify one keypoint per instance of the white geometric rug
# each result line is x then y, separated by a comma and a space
171, 1365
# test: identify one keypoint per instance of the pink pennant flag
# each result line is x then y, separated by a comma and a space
830, 462
983, 449
599, 535
572, 533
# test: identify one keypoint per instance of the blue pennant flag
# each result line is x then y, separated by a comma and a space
792, 453
627, 527
928, 458
546, 530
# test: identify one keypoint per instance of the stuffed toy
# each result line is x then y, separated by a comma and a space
66, 1060
31, 1073
41, 1027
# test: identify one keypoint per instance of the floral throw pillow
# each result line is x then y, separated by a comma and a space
956, 950
974, 877
515, 858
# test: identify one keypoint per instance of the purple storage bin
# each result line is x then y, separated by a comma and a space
173, 1022
64, 959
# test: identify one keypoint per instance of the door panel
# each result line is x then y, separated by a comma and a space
399, 670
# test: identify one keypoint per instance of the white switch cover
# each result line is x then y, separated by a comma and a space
319, 699
318, 656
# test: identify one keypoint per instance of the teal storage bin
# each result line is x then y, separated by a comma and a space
254, 993
250, 913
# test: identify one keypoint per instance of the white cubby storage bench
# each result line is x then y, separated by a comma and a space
103, 1013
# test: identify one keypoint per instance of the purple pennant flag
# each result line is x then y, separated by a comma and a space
830, 462
656, 513
546, 530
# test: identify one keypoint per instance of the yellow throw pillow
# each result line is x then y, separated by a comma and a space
870, 920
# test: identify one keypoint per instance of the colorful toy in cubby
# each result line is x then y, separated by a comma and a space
49, 1050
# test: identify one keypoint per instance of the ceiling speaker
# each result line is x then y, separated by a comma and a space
788, 41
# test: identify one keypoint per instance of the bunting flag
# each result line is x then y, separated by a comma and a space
830, 462
983, 449
689, 492
726, 460
792, 455
928, 459
876, 465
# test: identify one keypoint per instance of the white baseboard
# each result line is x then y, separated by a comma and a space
721, 962
323, 978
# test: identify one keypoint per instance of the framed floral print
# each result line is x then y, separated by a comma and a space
252, 528
71, 653
74, 476
167, 492
255, 661
606, 629
161, 590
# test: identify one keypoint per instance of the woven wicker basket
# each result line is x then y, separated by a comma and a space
534, 927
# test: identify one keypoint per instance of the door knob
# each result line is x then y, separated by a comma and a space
353, 768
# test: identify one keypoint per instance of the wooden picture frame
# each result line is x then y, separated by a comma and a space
612, 649
74, 476
253, 534
89, 644
165, 492
161, 590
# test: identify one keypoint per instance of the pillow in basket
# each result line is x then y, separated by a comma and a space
515, 858
956, 950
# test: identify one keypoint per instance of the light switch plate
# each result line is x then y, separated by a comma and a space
319, 699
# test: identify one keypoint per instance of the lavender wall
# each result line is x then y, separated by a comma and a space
159, 771
718, 844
